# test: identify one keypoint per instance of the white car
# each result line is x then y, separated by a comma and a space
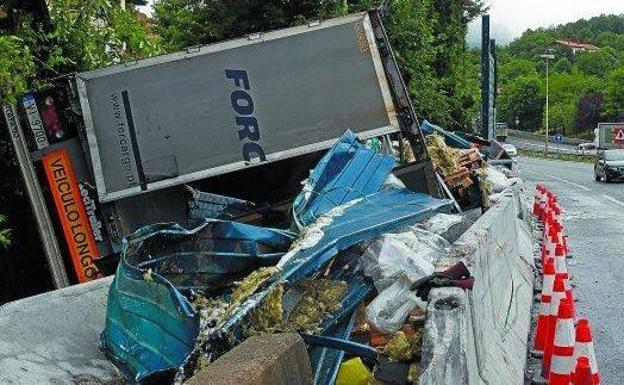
586, 149
510, 149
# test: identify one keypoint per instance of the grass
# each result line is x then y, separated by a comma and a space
555, 156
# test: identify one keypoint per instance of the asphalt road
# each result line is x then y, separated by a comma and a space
593, 218
536, 145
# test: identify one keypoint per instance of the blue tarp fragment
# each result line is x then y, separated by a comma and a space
151, 326
348, 171
450, 138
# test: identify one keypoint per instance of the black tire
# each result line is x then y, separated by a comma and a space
607, 178
596, 177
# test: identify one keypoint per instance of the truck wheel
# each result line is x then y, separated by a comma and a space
607, 178
596, 177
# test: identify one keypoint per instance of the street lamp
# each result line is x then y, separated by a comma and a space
548, 56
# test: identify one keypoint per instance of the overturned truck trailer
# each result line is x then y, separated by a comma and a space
245, 118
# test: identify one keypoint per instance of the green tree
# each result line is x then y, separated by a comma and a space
523, 99
598, 63
16, 67
614, 97
514, 67
5, 233
563, 65
184, 23
561, 117
531, 44
81, 35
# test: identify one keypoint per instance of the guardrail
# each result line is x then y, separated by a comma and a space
551, 139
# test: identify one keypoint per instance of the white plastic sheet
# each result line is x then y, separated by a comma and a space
388, 311
394, 262
498, 180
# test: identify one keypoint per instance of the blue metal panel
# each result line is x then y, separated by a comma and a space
369, 218
150, 325
326, 361
202, 205
348, 171
450, 138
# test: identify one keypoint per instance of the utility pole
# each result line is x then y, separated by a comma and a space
547, 56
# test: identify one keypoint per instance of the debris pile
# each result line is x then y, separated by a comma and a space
464, 172
352, 276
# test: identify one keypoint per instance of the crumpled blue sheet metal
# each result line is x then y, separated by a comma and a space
151, 326
202, 205
361, 220
450, 138
348, 171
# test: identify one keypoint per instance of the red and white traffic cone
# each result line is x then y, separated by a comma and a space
542, 319
542, 205
584, 347
567, 246
536, 200
558, 295
561, 271
582, 372
562, 362
550, 239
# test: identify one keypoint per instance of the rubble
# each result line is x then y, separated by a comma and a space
309, 282
403, 347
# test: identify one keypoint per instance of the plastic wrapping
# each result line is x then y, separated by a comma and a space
394, 262
388, 311
441, 223
411, 254
498, 180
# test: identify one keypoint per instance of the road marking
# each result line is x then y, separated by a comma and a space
616, 201
568, 182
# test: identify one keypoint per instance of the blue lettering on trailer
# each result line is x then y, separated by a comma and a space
248, 126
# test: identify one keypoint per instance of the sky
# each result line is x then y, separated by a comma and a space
509, 18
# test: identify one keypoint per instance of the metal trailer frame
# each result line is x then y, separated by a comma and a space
45, 228
371, 23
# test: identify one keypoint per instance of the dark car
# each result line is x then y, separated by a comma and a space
610, 165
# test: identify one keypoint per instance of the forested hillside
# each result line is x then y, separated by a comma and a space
585, 87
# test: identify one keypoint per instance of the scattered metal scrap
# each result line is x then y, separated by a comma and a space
175, 304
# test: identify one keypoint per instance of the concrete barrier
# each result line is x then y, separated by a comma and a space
53, 338
268, 359
489, 325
